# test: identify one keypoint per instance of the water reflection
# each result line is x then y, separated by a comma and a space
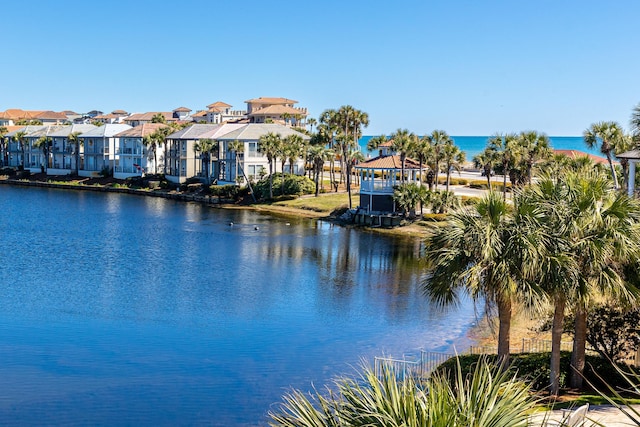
113, 305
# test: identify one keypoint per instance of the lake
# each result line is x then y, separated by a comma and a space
126, 310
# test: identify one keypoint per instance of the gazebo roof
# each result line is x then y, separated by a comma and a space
632, 155
390, 162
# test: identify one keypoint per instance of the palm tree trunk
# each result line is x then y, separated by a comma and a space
613, 170
448, 175
437, 174
556, 341
504, 181
579, 344
488, 175
504, 330
271, 179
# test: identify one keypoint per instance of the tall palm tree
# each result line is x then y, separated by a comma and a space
482, 250
328, 127
437, 139
21, 139
151, 144
403, 142
286, 117
422, 150
237, 148
534, 147
506, 148
635, 123
295, 149
3, 145
606, 136
205, 147
44, 144
374, 143
269, 145
74, 139
453, 158
312, 122
486, 160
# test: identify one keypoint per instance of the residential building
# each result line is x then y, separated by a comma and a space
116, 116
182, 160
13, 116
219, 112
180, 114
133, 158
275, 110
250, 162
62, 155
99, 148
19, 153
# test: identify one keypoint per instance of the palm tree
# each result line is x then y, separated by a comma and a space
44, 144
269, 145
237, 148
158, 118
635, 123
151, 144
437, 139
3, 145
505, 147
350, 121
607, 136
21, 139
295, 149
205, 147
534, 146
453, 158
486, 160
74, 138
312, 122
483, 251
286, 117
403, 142
376, 141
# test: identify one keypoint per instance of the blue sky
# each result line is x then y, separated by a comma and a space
468, 67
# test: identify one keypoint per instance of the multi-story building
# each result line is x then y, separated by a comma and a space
133, 157
275, 110
99, 148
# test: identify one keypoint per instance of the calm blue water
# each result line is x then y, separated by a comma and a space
125, 310
472, 145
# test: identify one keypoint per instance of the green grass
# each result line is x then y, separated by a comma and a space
324, 203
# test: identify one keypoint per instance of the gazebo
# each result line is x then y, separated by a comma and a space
378, 179
632, 157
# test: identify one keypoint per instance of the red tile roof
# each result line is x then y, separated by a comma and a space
575, 153
389, 162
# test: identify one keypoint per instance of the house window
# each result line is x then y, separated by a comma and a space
253, 149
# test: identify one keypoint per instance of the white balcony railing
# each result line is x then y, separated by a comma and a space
376, 187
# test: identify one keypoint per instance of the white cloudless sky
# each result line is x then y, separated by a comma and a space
468, 67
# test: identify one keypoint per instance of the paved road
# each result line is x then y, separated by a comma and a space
599, 415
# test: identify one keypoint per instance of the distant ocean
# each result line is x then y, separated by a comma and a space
472, 145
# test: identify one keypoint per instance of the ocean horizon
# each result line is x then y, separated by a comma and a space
473, 145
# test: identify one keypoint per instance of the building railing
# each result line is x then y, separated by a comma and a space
376, 187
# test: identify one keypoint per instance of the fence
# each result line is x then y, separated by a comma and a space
421, 365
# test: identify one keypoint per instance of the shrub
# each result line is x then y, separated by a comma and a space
293, 185
225, 192
534, 369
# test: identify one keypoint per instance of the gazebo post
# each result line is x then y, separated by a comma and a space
632, 178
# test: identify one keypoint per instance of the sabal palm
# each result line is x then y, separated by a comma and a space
606, 136
3, 144
269, 145
21, 139
151, 143
44, 143
374, 143
236, 147
506, 148
205, 147
403, 143
475, 251
486, 160
635, 123
437, 139
453, 158
533, 146
295, 149
74, 139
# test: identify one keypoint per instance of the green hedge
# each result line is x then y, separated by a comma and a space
293, 185
534, 369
